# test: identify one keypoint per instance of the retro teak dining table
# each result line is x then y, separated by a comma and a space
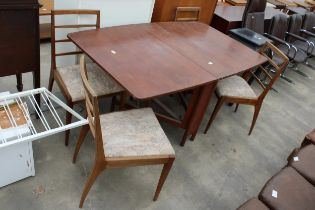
157, 59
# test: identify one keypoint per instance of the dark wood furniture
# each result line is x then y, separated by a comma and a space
165, 10
236, 89
19, 40
131, 138
226, 17
157, 59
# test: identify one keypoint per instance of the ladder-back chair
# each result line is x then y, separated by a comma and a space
123, 139
68, 77
235, 89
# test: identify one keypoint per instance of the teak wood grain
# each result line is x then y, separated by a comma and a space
143, 64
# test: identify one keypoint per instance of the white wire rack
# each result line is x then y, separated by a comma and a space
47, 124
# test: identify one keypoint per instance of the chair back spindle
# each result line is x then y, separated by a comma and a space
55, 27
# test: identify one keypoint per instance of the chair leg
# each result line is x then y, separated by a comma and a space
112, 106
97, 169
236, 108
68, 121
122, 101
166, 169
84, 130
257, 109
214, 113
51, 81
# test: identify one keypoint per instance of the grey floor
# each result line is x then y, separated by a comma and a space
219, 171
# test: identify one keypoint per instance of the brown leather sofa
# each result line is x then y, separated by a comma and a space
293, 188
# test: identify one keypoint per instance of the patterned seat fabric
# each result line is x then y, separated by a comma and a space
253, 204
101, 82
304, 162
235, 86
288, 190
134, 133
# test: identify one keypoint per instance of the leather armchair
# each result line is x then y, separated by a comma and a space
254, 15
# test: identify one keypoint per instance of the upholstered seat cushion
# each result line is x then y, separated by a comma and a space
101, 82
288, 190
235, 86
304, 162
253, 204
134, 133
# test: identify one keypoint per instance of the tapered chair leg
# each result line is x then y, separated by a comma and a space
84, 130
257, 109
236, 108
215, 112
113, 104
166, 169
122, 101
97, 169
51, 81
68, 121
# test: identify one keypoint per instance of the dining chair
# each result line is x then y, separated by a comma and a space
123, 139
192, 14
235, 89
68, 77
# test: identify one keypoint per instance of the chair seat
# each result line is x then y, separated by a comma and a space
235, 86
306, 163
300, 56
293, 192
253, 204
101, 82
134, 133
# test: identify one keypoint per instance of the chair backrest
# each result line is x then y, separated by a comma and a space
92, 109
254, 15
279, 26
295, 24
309, 22
270, 79
54, 28
187, 14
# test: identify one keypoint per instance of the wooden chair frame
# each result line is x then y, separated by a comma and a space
54, 75
188, 9
101, 162
257, 103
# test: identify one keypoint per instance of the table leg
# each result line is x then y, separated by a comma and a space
196, 110
19, 82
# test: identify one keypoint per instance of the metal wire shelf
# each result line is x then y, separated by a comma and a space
16, 117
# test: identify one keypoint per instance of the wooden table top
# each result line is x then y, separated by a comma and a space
235, 13
151, 60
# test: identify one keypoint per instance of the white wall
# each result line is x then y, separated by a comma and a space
113, 13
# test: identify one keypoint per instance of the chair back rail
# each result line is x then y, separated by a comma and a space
92, 108
54, 41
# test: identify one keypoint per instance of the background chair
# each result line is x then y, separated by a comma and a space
254, 15
123, 139
68, 77
305, 47
236, 90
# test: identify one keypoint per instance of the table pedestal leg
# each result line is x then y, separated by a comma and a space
19, 82
196, 110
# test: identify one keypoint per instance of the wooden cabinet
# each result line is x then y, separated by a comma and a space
165, 10
19, 39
